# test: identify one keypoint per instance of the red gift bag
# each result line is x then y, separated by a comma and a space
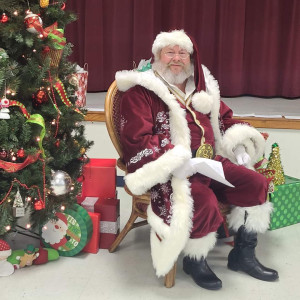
82, 76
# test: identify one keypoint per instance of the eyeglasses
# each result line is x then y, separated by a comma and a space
182, 55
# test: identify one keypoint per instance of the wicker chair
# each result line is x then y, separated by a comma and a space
139, 203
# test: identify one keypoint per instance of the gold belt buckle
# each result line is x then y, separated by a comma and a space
205, 151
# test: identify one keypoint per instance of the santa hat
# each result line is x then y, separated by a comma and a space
5, 249
62, 217
201, 100
175, 37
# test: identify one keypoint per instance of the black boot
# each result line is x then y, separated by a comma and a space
201, 273
242, 257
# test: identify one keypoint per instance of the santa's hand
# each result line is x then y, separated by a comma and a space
186, 170
241, 155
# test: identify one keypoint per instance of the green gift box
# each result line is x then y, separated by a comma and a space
286, 202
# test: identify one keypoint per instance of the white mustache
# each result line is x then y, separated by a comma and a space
177, 64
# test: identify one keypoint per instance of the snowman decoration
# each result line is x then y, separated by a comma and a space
4, 111
6, 268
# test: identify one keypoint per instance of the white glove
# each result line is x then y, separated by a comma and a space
186, 170
241, 155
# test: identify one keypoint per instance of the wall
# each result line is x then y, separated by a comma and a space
288, 140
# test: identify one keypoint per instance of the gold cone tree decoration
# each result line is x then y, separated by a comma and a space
275, 164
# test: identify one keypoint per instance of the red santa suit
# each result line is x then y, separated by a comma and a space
158, 136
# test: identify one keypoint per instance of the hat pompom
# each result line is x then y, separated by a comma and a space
202, 102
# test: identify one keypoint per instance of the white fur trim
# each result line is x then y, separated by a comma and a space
197, 248
5, 253
180, 133
258, 218
157, 171
246, 135
202, 102
173, 38
174, 237
212, 88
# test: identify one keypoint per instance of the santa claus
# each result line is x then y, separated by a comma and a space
54, 231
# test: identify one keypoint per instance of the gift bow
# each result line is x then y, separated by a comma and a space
56, 35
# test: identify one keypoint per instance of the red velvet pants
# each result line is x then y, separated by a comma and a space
250, 190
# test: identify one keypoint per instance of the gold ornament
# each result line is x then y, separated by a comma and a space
44, 3
82, 150
275, 164
205, 151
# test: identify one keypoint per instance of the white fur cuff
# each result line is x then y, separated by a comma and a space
242, 134
258, 218
197, 248
157, 171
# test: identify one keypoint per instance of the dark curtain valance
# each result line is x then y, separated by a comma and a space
251, 46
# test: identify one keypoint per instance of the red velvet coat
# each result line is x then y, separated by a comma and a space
157, 137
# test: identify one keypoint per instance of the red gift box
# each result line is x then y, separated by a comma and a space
93, 245
110, 224
99, 178
109, 209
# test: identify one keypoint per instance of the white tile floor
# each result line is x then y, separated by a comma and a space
128, 273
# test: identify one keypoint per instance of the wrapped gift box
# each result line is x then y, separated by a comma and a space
286, 202
109, 226
99, 178
93, 245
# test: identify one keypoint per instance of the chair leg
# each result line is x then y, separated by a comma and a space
170, 277
122, 234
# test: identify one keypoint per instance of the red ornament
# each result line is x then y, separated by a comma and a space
80, 178
83, 158
39, 98
3, 154
46, 49
21, 153
4, 18
39, 205
57, 143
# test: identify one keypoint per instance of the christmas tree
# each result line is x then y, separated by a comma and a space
42, 141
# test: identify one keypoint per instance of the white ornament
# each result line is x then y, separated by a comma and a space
18, 206
61, 183
4, 111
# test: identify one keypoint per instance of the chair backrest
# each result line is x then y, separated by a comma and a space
112, 116
112, 119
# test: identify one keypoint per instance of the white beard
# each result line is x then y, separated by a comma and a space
170, 77
52, 234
